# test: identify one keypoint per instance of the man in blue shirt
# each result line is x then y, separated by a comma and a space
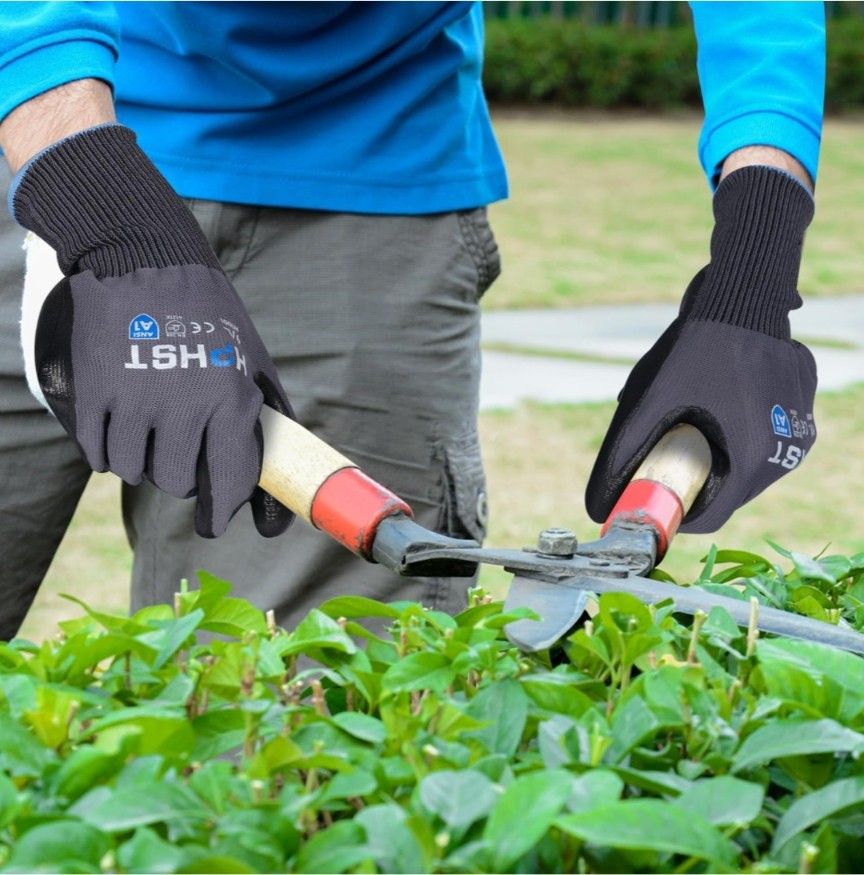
336, 160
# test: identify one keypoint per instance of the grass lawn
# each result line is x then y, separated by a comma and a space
609, 208
604, 208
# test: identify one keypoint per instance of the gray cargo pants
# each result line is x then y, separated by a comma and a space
373, 323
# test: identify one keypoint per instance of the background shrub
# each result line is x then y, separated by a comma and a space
568, 63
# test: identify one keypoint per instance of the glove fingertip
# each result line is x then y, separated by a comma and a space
271, 517
274, 395
204, 523
598, 502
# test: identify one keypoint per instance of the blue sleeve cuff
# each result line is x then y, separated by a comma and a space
758, 129
43, 67
762, 73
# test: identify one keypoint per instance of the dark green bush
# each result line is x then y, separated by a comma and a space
844, 85
544, 61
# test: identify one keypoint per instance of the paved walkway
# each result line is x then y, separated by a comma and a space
624, 333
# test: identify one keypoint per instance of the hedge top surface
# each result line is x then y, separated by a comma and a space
638, 744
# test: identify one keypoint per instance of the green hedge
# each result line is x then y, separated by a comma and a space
567, 63
646, 741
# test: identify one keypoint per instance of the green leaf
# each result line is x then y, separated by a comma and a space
556, 692
458, 798
785, 738
552, 735
59, 846
346, 784
809, 568
650, 825
361, 726
498, 621
725, 590
624, 611
217, 731
504, 707
524, 813
389, 841
818, 806
723, 801
51, 715
708, 564
111, 622
844, 671
128, 808
20, 751
213, 863
334, 850
316, 631
810, 602
222, 613
83, 769
170, 637
9, 800
837, 567
632, 723
654, 781
159, 730
357, 606
741, 557
595, 788
146, 852
18, 693
419, 671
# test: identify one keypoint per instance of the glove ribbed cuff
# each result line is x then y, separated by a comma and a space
761, 214
99, 201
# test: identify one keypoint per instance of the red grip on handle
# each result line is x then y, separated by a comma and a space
349, 505
647, 501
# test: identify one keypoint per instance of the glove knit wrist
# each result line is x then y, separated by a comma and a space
99, 201
761, 215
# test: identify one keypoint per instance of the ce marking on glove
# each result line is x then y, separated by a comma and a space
198, 327
792, 458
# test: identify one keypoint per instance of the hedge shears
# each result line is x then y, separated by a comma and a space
556, 579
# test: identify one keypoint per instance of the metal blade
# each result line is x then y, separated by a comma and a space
687, 599
558, 606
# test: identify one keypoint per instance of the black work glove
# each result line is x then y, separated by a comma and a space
144, 352
727, 364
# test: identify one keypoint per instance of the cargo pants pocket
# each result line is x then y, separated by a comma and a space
480, 242
465, 510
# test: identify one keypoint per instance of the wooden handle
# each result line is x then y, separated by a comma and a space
321, 485
666, 484
296, 462
680, 461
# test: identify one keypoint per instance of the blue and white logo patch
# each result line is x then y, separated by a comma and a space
223, 356
780, 422
143, 327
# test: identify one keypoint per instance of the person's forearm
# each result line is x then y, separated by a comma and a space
766, 156
49, 117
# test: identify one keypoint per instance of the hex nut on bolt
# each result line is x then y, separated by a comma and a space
557, 542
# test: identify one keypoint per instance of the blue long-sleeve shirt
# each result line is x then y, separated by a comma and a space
762, 71
368, 107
